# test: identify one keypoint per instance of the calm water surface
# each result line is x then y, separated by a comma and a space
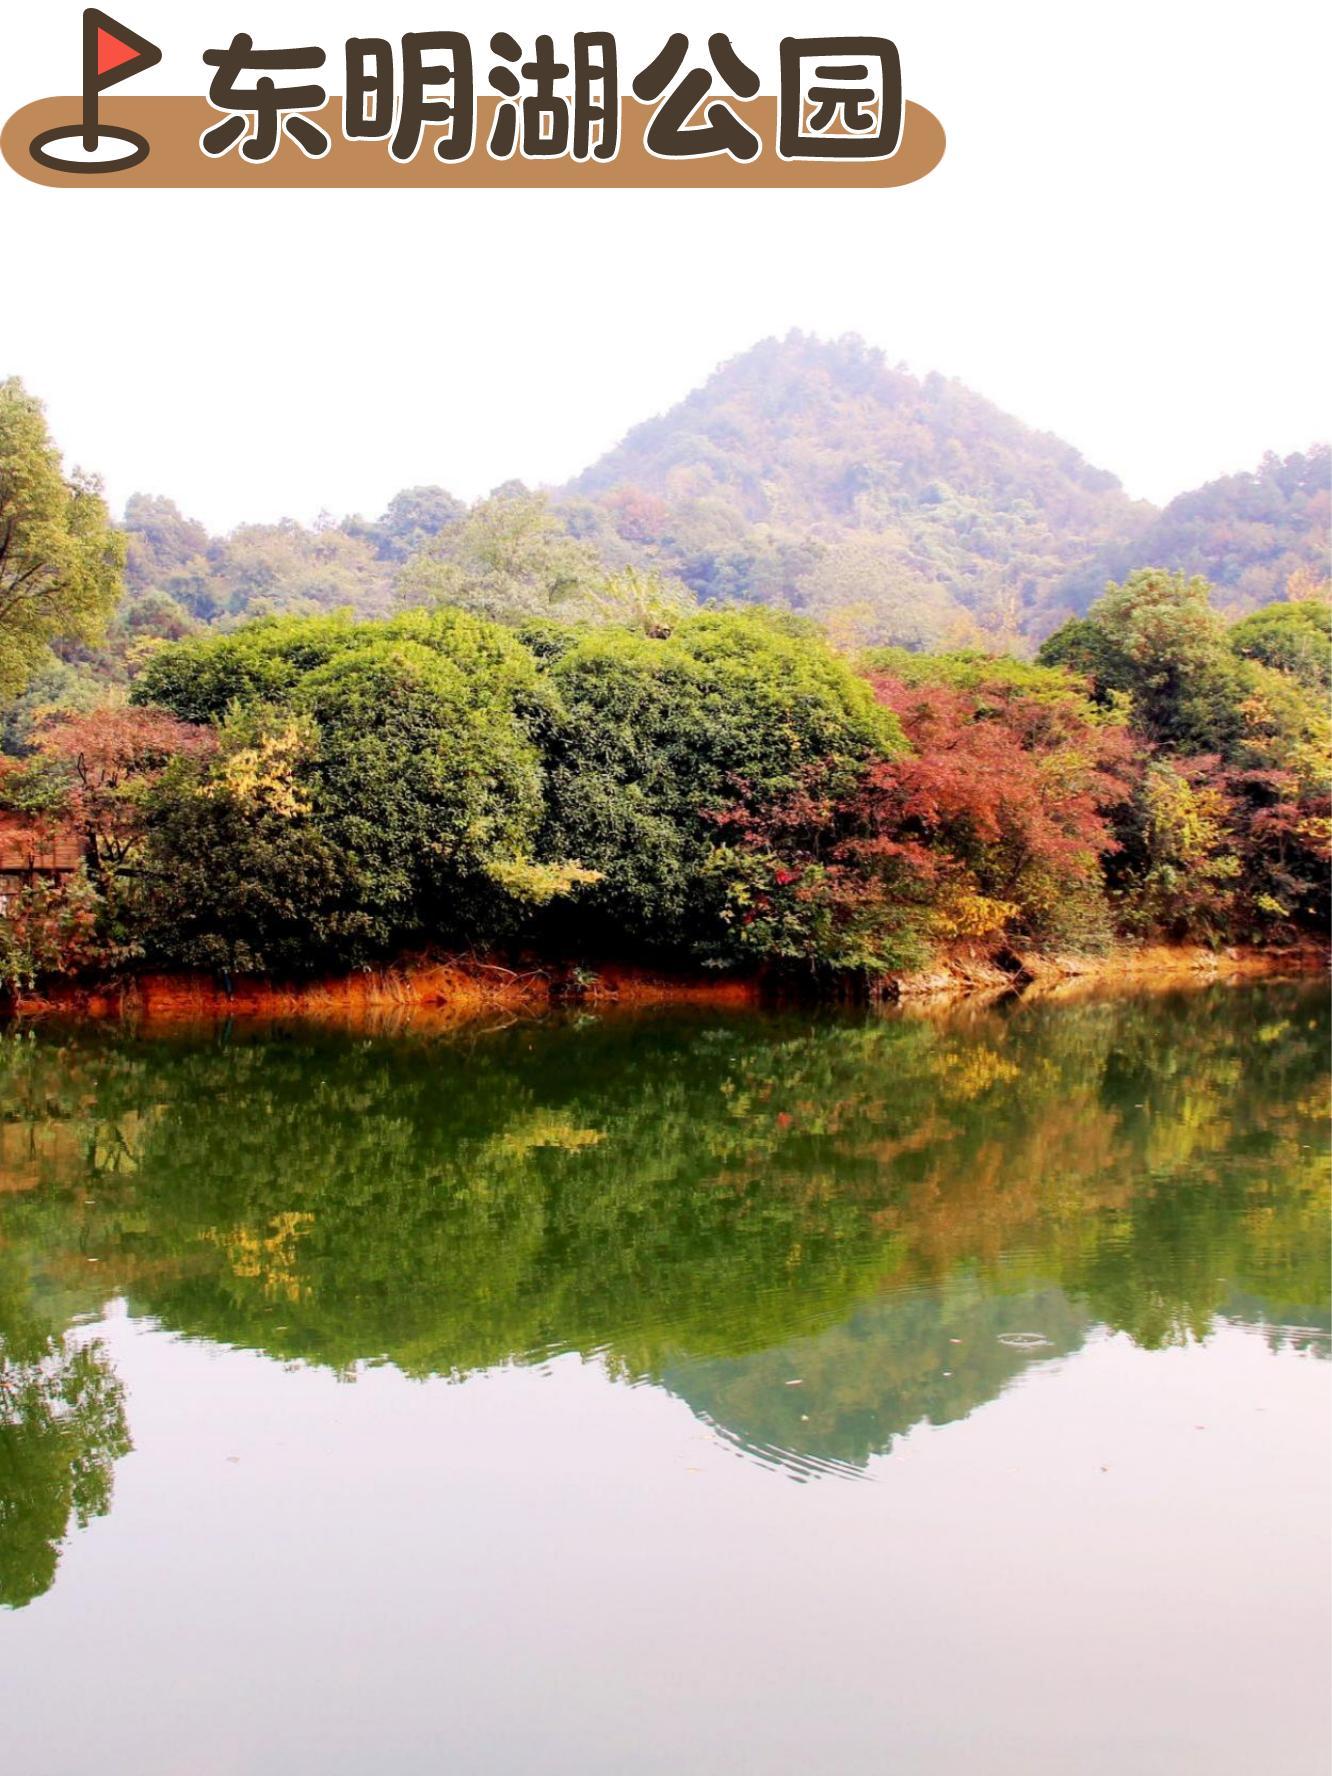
671, 1394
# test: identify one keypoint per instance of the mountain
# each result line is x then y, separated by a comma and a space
815, 474
1250, 534
806, 474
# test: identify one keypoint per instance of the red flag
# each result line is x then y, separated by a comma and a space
112, 52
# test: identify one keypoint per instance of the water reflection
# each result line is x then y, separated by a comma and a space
817, 1232
62, 1428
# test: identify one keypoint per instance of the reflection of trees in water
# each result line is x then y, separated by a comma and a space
62, 1428
689, 1197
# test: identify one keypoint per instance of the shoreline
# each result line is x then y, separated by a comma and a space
456, 992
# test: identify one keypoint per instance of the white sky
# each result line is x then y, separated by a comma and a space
1125, 244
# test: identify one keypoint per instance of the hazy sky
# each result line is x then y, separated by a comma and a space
1124, 244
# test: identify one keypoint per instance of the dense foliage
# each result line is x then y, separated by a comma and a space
60, 560
723, 788
372, 785
805, 475
657, 733
512, 727
1258, 536
1227, 834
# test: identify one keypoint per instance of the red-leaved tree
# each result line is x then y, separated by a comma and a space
1015, 788
105, 762
997, 822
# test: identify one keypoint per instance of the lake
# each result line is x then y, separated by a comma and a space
671, 1393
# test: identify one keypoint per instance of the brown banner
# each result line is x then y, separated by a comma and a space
172, 128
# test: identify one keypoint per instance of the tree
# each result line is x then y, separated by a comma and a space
418, 785
1228, 834
893, 601
640, 601
199, 679
375, 786
414, 517
237, 875
262, 569
60, 560
1294, 637
55, 931
105, 763
824, 878
1157, 637
660, 733
90, 775
1013, 777
1177, 875
161, 540
152, 616
510, 559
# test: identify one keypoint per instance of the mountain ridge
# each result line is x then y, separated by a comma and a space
803, 473
921, 501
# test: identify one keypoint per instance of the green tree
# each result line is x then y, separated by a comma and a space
661, 733
1294, 637
161, 540
419, 785
238, 876
1179, 866
1157, 637
393, 769
201, 678
510, 559
414, 517
60, 560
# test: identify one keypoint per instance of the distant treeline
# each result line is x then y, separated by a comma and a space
805, 475
637, 778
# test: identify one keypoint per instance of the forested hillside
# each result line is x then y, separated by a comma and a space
1257, 537
543, 759
816, 475
525, 731
807, 475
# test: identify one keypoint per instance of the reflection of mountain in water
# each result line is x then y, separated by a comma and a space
927, 1356
1283, 1325
718, 1207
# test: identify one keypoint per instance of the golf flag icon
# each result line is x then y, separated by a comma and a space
111, 53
